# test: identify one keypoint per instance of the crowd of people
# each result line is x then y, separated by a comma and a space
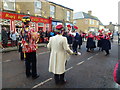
61, 43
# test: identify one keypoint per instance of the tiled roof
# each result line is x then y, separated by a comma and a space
86, 15
83, 15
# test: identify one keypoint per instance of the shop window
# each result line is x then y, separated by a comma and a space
33, 25
18, 23
68, 15
5, 22
37, 7
40, 24
52, 11
9, 5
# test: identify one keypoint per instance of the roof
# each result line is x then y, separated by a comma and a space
100, 23
60, 5
81, 15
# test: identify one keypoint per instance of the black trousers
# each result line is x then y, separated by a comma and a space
30, 63
59, 78
75, 46
21, 55
107, 51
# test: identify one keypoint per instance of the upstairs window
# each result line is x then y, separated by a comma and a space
9, 5
38, 7
52, 11
68, 15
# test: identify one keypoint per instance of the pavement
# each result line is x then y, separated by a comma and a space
16, 48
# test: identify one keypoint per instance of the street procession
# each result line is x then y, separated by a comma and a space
49, 52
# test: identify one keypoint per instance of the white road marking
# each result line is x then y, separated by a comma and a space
69, 69
42, 83
80, 63
7, 61
48, 80
90, 58
43, 53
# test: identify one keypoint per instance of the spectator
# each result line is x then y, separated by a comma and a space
13, 37
4, 37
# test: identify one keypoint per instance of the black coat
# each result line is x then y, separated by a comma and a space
106, 45
90, 43
4, 36
99, 44
70, 39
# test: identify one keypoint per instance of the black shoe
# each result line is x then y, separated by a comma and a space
107, 54
56, 82
63, 82
28, 76
35, 77
88, 51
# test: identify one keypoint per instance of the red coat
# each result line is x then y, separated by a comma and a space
28, 42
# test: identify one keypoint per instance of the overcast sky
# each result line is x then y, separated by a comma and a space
105, 10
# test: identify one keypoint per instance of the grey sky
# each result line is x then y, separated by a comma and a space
105, 10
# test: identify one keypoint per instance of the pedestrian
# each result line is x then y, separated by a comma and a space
59, 54
13, 37
75, 39
106, 45
69, 39
80, 40
29, 47
20, 46
116, 73
4, 37
100, 39
90, 42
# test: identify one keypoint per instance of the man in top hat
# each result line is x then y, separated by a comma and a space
59, 54
29, 47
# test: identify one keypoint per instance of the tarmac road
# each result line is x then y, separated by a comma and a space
90, 70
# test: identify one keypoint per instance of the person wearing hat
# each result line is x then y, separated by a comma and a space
90, 42
106, 45
75, 39
60, 52
29, 47
100, 39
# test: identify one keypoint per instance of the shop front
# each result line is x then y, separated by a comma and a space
12, 22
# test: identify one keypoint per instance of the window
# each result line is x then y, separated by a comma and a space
90, 21
38, 7
52, 11
86, 21
97, 23
68, 15
9, 5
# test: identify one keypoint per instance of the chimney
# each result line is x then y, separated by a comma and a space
90, 12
